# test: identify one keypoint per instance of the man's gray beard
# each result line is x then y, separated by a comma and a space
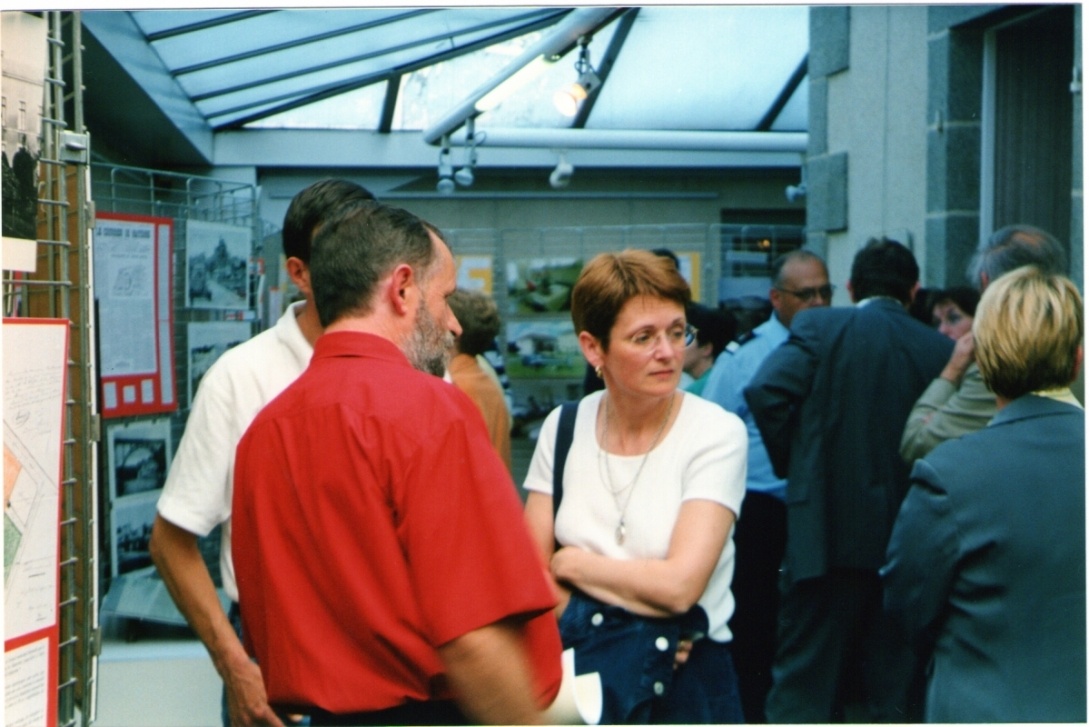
429, 347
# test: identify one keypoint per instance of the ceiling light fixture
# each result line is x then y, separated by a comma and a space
561, 176
446, 169
570, 98
796, 192
464, 176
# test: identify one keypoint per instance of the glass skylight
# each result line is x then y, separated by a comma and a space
679, 68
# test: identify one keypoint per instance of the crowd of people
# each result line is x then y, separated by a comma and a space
847, 513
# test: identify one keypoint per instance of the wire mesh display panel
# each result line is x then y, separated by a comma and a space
60, 287
217, 299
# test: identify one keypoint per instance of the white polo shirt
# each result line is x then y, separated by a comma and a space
197, 494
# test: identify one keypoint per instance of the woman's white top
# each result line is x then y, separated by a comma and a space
702, 457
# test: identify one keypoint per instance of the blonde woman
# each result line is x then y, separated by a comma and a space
640, 544
986, 566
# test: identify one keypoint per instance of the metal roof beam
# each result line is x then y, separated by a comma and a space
403, 152
784, 96
616, 43
538, 19
206, 24
389, 104
580, 22
637, 139
334, 89
266, 50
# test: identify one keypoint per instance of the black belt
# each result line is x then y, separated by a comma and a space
414, 713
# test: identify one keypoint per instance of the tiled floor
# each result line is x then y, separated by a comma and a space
157, 684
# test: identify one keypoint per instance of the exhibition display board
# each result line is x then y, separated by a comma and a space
35, 365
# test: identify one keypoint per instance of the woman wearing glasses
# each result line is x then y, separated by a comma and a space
638, 538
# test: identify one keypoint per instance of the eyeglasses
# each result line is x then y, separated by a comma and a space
808, 294
678, 337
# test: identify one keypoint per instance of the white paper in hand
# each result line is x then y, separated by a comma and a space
580, 698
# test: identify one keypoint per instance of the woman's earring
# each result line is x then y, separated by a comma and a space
598, 371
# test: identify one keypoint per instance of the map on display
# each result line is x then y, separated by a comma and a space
35, 356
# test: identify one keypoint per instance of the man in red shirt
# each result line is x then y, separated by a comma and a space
384, 569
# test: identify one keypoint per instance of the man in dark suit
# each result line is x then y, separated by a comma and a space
830, 404
987, 561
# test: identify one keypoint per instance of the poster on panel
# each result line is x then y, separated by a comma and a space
541, 285
688, 264
138, 457
35, 357
474, 272
217, 265
132, 261
208, 340
24, 39
543, 349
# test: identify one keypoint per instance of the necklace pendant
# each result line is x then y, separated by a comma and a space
619, 533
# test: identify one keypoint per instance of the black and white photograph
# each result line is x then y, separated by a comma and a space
208, 340
139, 456
24, 43
217, 265
131, 519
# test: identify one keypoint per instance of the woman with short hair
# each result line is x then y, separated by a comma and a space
480, 321
986, 566
952, 310
639, 543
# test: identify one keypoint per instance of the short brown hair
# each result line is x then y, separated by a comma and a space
479, 317
1028, 329
611, 279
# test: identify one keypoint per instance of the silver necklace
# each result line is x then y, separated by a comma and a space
607, 480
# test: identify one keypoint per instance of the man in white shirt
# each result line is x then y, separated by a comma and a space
197, 494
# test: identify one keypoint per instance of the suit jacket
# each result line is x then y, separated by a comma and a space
831, 404
987, 568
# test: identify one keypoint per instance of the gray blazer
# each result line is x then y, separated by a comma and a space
986, 568
831, 404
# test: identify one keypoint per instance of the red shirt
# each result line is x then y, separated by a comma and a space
374, 522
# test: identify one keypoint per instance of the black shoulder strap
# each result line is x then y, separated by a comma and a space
565, 431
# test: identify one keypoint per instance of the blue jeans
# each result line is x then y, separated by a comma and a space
634, 657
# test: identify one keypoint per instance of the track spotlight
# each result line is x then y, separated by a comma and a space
561, 176
464, 176
569, 98
446, 170
796, 192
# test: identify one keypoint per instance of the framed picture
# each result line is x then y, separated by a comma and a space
133, 271
541, 285
207, 342
139, 457
131, 519
474, 272
543, 349
25, 42
217, 265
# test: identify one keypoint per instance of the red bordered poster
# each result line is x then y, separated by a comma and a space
35, 355
133, 274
